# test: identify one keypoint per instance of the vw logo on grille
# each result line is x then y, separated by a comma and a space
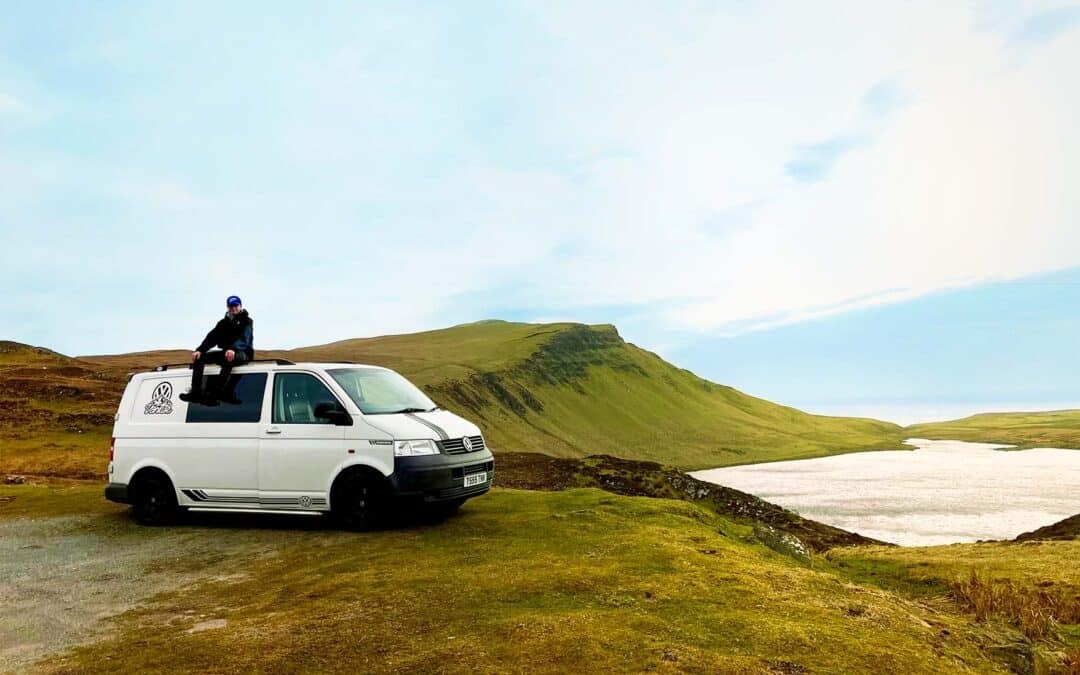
305, 501
466, 442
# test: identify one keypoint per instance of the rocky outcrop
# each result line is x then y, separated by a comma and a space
773, 524
1063, 529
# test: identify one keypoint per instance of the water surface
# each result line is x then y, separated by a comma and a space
940, 493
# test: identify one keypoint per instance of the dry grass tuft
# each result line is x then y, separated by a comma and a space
1072, 662
1035, 611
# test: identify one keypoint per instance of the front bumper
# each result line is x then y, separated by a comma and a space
117, 492
441, 477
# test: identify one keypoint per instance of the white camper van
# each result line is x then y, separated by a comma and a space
338, 438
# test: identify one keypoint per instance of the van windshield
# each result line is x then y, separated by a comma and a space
381, 392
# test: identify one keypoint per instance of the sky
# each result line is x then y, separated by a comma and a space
815, 202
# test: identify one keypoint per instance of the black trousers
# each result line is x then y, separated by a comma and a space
216, 357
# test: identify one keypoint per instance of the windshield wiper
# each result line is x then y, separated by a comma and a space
406, 410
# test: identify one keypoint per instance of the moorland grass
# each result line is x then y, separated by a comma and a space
573, 581
54, 498
1033, 586
1050, 429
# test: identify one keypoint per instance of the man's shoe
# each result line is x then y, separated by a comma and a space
192, 397
229, 398
209, 400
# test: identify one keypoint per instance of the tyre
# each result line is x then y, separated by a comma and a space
153, 499
359, 502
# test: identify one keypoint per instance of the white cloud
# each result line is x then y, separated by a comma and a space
391, 173
966, 183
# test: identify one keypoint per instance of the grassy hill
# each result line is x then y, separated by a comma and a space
56, 412
1051, 429
572, 390
566, 390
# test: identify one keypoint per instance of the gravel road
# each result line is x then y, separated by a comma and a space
62, 577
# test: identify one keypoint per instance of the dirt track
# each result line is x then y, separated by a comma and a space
61, 577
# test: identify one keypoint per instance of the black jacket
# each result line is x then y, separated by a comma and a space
232, 332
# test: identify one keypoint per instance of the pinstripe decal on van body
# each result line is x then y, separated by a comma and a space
430, 425
202, 497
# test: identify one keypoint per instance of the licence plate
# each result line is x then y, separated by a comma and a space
476, 479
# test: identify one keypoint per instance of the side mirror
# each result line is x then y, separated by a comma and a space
328, 410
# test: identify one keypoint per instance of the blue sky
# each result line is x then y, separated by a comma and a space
735, 186
998, 346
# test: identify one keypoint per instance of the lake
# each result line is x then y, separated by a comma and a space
942, 492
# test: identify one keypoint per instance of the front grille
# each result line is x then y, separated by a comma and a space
456, 446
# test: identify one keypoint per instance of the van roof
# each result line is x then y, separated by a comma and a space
280, 362
260, 365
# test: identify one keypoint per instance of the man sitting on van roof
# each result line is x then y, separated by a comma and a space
234, 334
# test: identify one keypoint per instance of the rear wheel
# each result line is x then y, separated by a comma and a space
360, 501
153, 499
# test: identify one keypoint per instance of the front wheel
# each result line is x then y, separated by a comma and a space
360, 502
153, 500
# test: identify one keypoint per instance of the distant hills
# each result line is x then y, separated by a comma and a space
56, 412
567, 390
562, 389
572, 390
1050, 429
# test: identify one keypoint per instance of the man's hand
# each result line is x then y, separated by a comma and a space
230, 355
195, 356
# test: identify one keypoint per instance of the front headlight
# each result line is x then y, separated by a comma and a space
413, 448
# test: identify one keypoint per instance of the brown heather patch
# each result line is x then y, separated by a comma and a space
1035, 611
1072, 662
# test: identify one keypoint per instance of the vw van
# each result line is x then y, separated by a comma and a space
343, 439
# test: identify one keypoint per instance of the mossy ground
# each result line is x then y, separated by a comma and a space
579, 581
57, 454
53, 498
1031, 586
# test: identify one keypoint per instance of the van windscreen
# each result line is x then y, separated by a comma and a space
381, 392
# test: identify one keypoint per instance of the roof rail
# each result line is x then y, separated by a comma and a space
166, 366
280, 362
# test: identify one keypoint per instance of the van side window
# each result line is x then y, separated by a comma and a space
249, 388
295, 397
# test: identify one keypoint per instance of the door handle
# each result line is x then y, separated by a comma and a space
273, 430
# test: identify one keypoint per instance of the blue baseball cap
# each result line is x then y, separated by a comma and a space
233, 301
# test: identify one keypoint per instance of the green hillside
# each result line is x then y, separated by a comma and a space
1051, 429
572, 390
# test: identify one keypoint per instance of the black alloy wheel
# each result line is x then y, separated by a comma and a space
360, 503
154, 500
